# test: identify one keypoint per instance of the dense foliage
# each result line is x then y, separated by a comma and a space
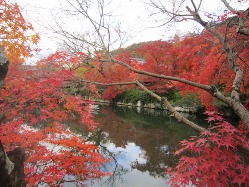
35, 109
191, 57
16, 33
211, 159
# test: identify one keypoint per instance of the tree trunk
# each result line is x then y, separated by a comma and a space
12, 162
12, 167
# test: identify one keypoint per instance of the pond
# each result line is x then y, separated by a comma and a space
141, 144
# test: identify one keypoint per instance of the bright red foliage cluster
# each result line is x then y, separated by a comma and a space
110, 73
196, 57
37, 108
34, 94
54, 155
212, 159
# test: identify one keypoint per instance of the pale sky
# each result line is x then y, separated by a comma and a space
133, 16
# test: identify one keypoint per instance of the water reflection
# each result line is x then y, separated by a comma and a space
141, 144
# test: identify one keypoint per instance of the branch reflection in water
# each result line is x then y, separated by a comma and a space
140, 144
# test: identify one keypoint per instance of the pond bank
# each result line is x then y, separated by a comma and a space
139, 104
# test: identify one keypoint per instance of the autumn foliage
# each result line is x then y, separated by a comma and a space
111, 73
36, 109
38, 112
212, 158
195, 57
16, 33
54, 155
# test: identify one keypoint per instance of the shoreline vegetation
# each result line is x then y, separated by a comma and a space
156, 105
191, 109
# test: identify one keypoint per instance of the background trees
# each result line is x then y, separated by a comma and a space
224, 38
220, 34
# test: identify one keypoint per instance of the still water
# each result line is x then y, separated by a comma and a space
141, 144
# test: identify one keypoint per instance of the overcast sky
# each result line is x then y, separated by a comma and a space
133, 16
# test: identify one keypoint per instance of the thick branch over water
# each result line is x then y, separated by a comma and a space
174, 113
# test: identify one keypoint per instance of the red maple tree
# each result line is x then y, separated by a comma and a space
212, 158
36, 109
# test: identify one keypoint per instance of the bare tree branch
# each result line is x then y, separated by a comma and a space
228, 6
176, 114
201, 86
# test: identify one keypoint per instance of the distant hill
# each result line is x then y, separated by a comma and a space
132, 49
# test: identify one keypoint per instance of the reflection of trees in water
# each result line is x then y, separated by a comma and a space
154, 132
158, 147
157, 162
157, 136
100, 138
117, 170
